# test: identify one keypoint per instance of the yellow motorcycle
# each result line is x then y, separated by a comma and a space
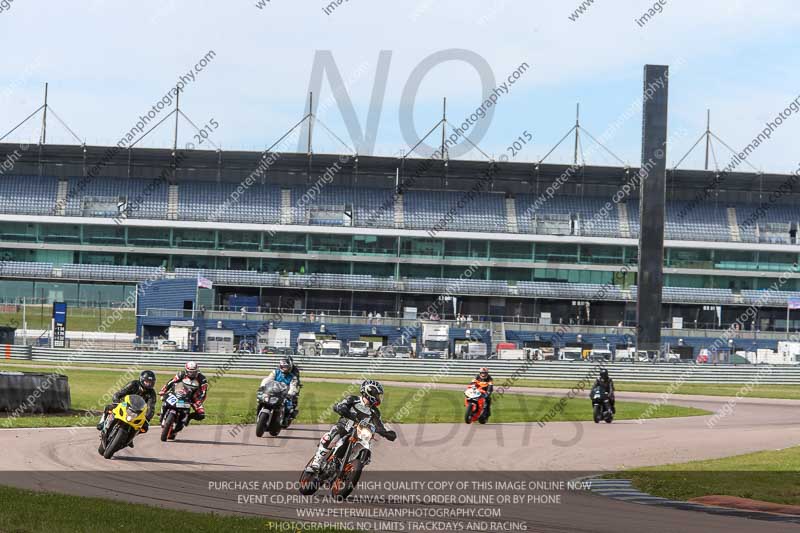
119, 430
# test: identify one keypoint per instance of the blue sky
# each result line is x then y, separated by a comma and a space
107, 62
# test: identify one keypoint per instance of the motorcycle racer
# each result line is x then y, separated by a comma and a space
483, 381
371, 397
191, 371
141, 387
288, 373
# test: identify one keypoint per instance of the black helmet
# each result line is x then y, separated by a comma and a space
604, 374
147, 378
372, 392
286, 364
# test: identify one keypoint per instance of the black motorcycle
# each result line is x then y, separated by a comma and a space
601, 405
176, 408
274, 409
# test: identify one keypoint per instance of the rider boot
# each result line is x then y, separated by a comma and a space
320, 457
102, 422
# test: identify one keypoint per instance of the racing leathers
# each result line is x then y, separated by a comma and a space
292, 380
198, 397
608, 385
133, 387
351, 408
486, 385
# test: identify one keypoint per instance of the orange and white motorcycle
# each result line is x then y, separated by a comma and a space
343, 466
475, 403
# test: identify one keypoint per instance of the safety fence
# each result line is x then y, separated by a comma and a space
538, 370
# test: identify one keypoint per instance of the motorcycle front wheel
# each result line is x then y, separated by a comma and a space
274, 427
596, 413
468, 413
169, 421
261, 423
345, 482
309, 483
118, 440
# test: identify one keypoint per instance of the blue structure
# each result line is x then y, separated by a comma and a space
162, 302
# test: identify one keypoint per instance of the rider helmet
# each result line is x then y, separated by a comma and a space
483, 373
286, 364
191, 369
604, 375
147, 379
371, 393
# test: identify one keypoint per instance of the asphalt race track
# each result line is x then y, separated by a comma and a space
177, 474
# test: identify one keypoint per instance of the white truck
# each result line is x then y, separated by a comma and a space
306, 342
473, 350
519, 353
181, 335
600, 354
570, 353
274, 338
332, 348
435, 340
357, 348
789, 352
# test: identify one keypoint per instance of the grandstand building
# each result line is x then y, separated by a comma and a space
354, 235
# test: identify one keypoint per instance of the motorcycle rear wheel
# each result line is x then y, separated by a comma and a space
346, 482
167, 429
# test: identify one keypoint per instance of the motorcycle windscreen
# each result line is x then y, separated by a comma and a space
276, 387
136, 404
182, 390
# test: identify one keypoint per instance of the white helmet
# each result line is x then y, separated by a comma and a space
191, 369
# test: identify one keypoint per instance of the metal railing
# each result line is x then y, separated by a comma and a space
539, 370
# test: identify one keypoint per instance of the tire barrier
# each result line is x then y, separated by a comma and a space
221, 364
34, 393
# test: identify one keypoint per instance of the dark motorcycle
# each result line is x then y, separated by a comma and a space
274, 409
176, 408
122, 424
601, 405
342, 469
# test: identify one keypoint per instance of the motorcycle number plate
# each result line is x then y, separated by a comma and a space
171, 400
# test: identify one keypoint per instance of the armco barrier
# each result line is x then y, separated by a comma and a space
14, 351
557, 370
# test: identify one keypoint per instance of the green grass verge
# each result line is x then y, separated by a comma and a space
768, 476
232, 401
44, 512
789, 392
79, 319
